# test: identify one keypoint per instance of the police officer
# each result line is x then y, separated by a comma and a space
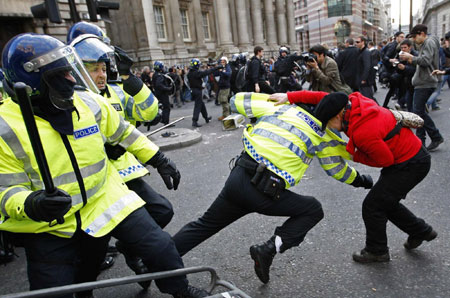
100, 62
91, 201
283, 68
277, 151
162, 90
195, 78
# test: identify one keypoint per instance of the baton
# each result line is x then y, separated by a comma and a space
163, 127
35, 140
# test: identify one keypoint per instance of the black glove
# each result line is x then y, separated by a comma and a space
167, 169
114, 152
155, 121
40, 206
363, 181
124, 62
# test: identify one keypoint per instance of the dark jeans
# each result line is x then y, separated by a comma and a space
54, 261
263, 88
159, 208
199, 106
419, 100
239, 197
382, 203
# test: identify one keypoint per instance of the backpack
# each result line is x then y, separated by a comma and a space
404, 119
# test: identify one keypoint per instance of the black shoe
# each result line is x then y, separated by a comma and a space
112, 251
195, 124
6, 256
207, 119
414, 242
263, 255
191, 292
108, 262
135, 263
434, 144
367, 257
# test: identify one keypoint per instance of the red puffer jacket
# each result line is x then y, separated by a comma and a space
369, 124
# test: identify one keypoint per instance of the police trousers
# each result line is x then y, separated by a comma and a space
199, 105
382, 203
55, 261
240, 197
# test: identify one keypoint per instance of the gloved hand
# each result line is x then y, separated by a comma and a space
114, 152
40, 206
167, 169
363, 181
124, 62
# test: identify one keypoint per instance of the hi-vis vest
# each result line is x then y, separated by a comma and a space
142, 107
286, 138
108, 200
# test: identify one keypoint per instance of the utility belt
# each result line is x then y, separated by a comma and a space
263, 179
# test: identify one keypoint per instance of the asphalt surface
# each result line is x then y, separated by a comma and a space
321, 266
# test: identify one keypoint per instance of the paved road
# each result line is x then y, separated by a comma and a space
321, 266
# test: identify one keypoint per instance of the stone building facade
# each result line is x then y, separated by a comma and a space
436, 15
333, 21
177, 30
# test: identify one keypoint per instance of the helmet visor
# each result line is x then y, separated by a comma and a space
91, 49
62, 70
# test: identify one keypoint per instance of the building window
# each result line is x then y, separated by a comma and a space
205, 24
364, 15
305, 18
305, 3
338, 8
185, 24
159, 21
443, 18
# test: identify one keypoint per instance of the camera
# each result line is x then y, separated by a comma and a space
308, 57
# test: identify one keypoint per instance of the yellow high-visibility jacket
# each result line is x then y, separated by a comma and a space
286, 138
141, 107
107, 202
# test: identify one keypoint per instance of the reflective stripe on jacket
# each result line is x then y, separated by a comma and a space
108, 200
286, 138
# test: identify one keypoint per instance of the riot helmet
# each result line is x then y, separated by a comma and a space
158, 66
284, 49
234, 57
47, 66
195, 63
81, 28
93, 51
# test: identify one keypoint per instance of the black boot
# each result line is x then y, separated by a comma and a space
207, 119
263, 255
191, 292
135, 263
108, 262
367, 257
195, 124
414, 242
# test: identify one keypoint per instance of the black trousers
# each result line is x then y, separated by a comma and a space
239, 197
263, 88
165, 115
199, 106
159, 208
53, 261
382, 203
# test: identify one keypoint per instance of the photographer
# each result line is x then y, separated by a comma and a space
323, 72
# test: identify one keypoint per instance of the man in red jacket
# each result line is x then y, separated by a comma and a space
405, 162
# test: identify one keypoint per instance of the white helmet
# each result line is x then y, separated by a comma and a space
224, 58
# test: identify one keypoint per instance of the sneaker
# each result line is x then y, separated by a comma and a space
207, 119
367, 257
135, 263
436, 108
434, 144
414, 242
438, 99
263, 255
191, 292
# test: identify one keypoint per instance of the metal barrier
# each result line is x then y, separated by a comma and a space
233, 291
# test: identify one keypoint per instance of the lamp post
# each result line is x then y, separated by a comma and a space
320, 30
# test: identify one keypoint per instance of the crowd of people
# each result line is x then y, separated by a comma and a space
87, 102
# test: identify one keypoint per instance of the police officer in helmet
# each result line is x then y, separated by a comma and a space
162, 90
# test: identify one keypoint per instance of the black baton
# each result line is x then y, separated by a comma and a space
35, 140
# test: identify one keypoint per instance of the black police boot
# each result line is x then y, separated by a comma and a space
207, 119
263, 255
195, 124
191, 292
367, 257
6, 256
414, 242
108, 262
135, 263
